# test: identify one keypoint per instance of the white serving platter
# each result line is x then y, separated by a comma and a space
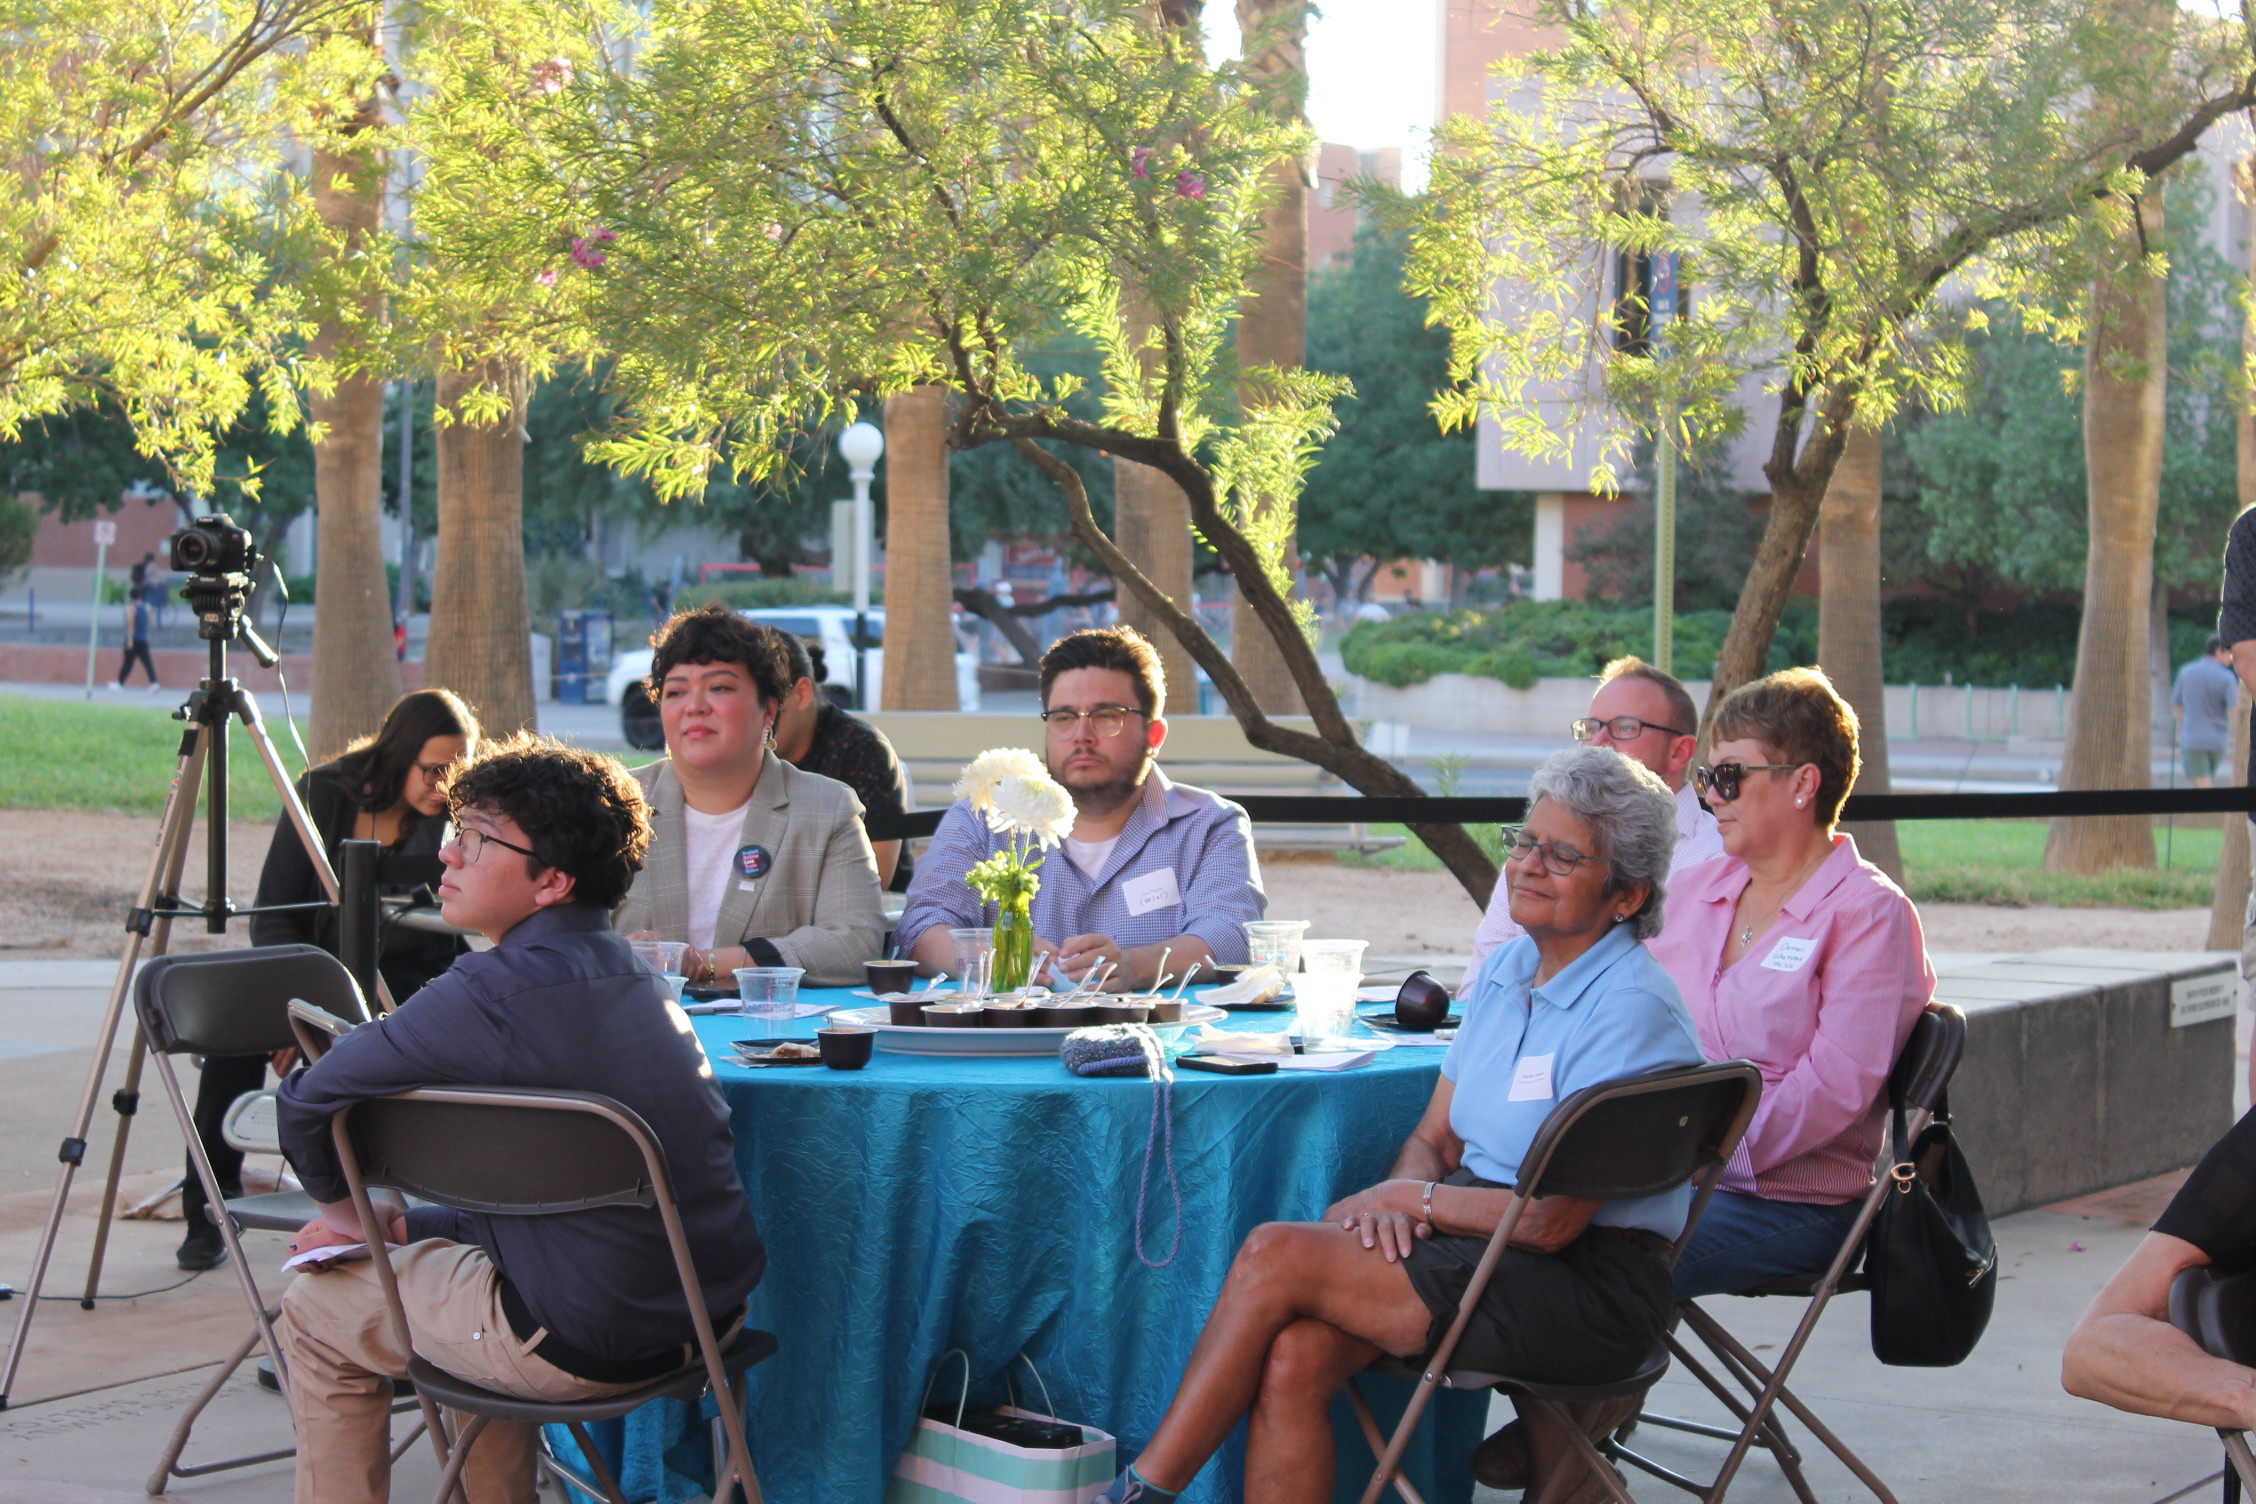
921, 1039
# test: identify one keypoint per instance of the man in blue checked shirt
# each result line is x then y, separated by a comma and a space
1152, 867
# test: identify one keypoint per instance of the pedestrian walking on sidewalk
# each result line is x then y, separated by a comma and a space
137, 638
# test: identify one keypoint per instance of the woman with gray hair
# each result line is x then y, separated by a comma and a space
1582, 1292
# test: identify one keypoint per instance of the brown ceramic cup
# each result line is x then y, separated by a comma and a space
1167, 1010
845, 1049
1124, 1012
1422, 1004
1064, 1016
953, 1015
889, 976
907, 1012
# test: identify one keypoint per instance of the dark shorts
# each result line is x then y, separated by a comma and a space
1588, 1314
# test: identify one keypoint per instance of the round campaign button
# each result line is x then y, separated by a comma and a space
753, 862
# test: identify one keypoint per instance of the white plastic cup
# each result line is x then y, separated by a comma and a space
661, 956
1275, 942
1324, 994
975, 959
769, 993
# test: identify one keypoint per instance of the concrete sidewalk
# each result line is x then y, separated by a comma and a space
99, 1390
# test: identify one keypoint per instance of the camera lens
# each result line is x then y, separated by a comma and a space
191, 549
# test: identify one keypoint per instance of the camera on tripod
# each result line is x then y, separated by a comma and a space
218, 557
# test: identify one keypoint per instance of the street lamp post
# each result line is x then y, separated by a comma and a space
1666, 295
860, 446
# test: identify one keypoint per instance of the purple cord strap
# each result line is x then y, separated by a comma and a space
1162, 1122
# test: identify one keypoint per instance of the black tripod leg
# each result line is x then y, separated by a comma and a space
180, 809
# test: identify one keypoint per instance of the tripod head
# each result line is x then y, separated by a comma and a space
219, 559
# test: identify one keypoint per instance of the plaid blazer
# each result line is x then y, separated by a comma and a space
819, 903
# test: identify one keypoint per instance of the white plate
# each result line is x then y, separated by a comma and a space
918, 1039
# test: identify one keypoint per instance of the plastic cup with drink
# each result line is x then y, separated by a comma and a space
1324, 994
769, 993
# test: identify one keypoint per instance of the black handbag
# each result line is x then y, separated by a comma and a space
1930, 1258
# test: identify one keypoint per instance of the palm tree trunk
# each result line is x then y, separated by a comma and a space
355, 668
1848, 625
2110, 734
920, 643
1152, 524
1273, 320
481, 632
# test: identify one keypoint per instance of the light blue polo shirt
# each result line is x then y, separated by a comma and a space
1611, 1012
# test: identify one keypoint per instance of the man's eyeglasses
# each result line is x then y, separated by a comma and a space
1724, 778
1623, 728
1109, 720
1559, 859
474, 842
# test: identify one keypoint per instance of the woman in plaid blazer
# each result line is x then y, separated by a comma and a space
752, 861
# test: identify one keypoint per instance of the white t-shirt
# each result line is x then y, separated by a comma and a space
1090, 856
713, 840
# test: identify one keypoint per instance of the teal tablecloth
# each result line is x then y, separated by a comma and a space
925, 1204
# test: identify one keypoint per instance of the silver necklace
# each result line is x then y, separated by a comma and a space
1747, 931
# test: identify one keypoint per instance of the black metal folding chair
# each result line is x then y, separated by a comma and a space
1639, 1136
2220, 1314
235, 1003
1917, 1085
520, 1152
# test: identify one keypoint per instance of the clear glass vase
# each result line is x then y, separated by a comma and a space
1014, 943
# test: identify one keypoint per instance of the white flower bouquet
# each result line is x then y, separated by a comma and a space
1015, 794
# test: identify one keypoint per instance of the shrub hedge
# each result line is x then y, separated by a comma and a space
1530, 640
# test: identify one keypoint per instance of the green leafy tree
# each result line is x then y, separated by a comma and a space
142, 144
1389, 483
1823, 167
2001, 480
780, 208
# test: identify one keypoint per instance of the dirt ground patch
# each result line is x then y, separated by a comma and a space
69, 876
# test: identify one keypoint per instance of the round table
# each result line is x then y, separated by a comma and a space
925, 1204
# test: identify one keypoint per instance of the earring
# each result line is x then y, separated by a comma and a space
1798, 803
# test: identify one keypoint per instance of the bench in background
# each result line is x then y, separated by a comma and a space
1208, 752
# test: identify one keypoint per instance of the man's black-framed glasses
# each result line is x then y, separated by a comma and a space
1558, 858
1723, 780
1623, 728
1108, 720
474, 841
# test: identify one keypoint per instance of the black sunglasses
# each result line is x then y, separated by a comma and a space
1724, 778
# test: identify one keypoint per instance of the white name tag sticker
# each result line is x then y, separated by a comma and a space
1789, 955
1151, 890
1532, 1081
745, 887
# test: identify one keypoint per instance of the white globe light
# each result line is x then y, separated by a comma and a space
860, 445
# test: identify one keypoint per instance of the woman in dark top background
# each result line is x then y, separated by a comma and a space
388, 788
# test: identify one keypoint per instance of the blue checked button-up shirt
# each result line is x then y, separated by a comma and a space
1203, 840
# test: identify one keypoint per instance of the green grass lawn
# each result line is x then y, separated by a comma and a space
119, 753
1991, 861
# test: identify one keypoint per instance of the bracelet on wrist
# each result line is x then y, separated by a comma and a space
1425, 1206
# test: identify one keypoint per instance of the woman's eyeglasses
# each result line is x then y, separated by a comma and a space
474, 842
1559, 859
1109, 720
1724, 778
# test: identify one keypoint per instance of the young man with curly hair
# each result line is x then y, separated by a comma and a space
572, 1306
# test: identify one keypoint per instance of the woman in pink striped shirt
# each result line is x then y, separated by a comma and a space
1794, 952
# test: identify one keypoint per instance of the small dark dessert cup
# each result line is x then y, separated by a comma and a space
907, 1012
845, 1049
1064, 1016
1008, 1016
1167, 1010
1422, 1004
889, 976
953, 1015
1124, 1012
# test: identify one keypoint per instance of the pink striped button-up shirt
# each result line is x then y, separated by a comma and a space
1822, 1003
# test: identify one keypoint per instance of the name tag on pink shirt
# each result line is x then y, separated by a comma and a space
1789, 955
